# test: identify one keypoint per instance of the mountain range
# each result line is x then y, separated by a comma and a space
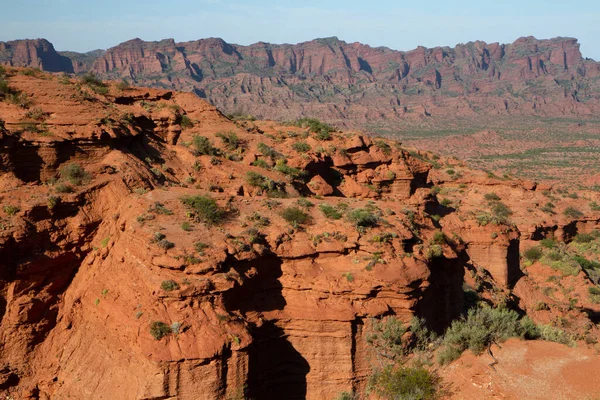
348, 84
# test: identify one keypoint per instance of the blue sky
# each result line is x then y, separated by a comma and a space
83, 25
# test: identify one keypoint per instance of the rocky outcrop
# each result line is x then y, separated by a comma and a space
109, 283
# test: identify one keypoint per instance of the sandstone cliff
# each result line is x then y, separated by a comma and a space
111, 284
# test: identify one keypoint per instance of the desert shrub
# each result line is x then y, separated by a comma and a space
533, 253
295, 216
445, 202
330, 211
301, 147
594, 206
74, 174
200, 247
438, 238
572, 212
257, 180
584, 238
91, 79
305, 203
554, 334
186, 226
295, 173
205, 208
383, 146
203, 146
501, 211
434, 251
63, 188
36, 114
594, 292
159, 329
159, 208
548, 243
185, 122
53, 201
169, 285
11, 210
268, 151
314, 125
363, 218
123, 85
385, 337
404, 383
491, 197
260, 163
481, 327
230, 140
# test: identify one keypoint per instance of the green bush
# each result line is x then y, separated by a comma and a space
185, 122
205, 208
585, 237
301, 147
363, 218
533, 253
572, 212
501, 211
260, 163
385, 337
159, 329
548, 243
230, 140
405, 383
295, 173
481, 327
169, 285
123, 85
314, 125
11, 210
491, 197
203, 146
95, 83
74, 174
268, 151
257, 180
63, 188
330, 212
295, 216
384, 147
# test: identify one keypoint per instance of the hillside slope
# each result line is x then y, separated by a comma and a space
154, 248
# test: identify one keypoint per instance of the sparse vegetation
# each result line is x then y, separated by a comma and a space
11, 210
404, 383
482, 327
363, 218
159, 329
230, 140
95, 83
202, 146
295, 216
572, 212
533, 253
169, 285
74, 174
185, 122
330, 212
301, 147
205, 209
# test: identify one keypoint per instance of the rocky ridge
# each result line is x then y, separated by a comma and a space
96, 259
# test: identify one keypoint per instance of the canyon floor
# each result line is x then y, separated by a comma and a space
152, 248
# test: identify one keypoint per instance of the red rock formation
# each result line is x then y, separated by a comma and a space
264, 308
